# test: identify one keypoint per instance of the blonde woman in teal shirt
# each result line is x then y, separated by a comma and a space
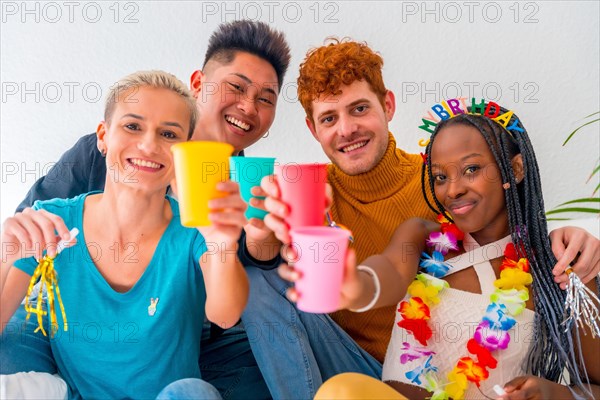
136, 285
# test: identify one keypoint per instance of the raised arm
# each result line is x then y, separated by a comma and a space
392, 271
395, 268
260, 247
224, 276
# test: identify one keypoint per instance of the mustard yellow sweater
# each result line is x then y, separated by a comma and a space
372, 205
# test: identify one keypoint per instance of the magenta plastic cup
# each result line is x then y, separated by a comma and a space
303, 190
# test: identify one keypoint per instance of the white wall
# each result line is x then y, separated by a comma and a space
539, 58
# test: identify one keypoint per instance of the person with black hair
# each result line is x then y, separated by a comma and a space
236, 96
487, 335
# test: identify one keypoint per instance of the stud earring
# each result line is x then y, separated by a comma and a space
267, 135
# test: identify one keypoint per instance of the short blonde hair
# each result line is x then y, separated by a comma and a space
155, 79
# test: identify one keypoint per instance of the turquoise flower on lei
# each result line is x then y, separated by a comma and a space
415, 375
434, 264
497, 317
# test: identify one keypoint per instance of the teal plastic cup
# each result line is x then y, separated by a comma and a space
248, 172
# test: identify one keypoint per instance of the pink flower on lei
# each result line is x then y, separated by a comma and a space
491, 339
411, 353
442, 242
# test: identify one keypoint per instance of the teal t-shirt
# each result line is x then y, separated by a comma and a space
117, 345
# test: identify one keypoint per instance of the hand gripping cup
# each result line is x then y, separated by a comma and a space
303, 190
199, 166
248, 172
321, 257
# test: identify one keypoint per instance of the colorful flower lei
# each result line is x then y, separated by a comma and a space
491, 334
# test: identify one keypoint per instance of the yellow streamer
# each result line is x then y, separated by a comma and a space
48, 278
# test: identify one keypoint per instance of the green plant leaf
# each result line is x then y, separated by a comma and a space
585, 200
589, 200
587, 116
594, 172
575, 209
587, 123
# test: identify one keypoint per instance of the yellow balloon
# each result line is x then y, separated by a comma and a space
354, 386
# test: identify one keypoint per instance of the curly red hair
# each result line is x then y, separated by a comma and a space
338, 63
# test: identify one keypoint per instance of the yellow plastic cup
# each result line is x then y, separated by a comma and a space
199, 166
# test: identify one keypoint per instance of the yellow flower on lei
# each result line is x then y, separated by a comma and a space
427, 288
513, 278
457, 384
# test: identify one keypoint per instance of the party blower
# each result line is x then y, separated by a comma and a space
48, 278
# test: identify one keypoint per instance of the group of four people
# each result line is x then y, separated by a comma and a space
136, 353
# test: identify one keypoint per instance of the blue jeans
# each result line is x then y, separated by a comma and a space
297, 351
21, 350
190, 388
226, 361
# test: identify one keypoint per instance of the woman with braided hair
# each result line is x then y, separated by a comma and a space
469, 327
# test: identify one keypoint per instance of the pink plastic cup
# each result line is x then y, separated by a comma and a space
321, 256
303, 190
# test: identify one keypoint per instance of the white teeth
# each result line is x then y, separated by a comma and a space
237, 122
354, 147
144, 163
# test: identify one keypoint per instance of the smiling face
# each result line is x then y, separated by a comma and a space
144, 125
468, 183
352, 127
236, 101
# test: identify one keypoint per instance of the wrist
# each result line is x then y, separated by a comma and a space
264, 249
221, 252
371, 281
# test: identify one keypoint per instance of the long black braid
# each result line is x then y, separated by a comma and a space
553, 349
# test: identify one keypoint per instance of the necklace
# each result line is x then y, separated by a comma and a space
491, 335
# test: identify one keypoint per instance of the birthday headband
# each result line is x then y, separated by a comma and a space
448, 109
